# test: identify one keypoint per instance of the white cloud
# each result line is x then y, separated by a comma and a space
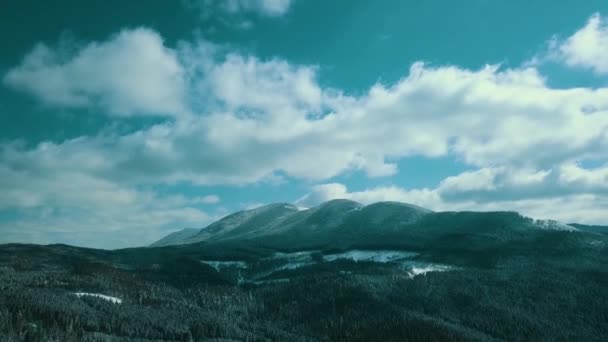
237, 13
575, 207
59, 198
73, 207
273, 87
265, 7
322, 193
209, 199
325, 192
573, 174
587, 47
267, 119
131, 73
487, 117
261, 118
276, 7
255, 120
482, 179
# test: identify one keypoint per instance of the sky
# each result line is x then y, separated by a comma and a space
121, 122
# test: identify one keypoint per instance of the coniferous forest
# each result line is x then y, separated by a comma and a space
303, 171
544, 286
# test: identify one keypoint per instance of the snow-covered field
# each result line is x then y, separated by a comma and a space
225, 264
98, 295
382, 256
416, 268
293, 265
373, 256
290, 261
554, 225
301, 255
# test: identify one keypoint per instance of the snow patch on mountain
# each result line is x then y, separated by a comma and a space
293, 255
176, 237
422, 270
110, 299
554, 225
382, 256
225, 264
293, 266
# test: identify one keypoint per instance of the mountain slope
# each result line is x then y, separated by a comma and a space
590, 228
246, 222
341, 223
176, 238
388, 271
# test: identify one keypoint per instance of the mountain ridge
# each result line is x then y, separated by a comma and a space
347, 220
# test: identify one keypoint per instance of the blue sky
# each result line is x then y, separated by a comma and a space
120, 123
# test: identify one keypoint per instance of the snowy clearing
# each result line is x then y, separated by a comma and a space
382, 256
98, 295
225, 264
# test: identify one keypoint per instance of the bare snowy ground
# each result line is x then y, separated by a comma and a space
295, 260
554, 225
373, 256
225, 264
114, 300
414, 269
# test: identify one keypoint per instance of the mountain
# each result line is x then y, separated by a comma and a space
266, 220
176, 238
247, 222
590, 228
340, 271
344, 222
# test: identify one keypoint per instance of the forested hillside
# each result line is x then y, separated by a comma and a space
550, 285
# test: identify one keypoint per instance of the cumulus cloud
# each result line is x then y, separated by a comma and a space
506, 183
131, 73
581, 207
274, 87
325, 192
487, 117
270, 117
56, 195
59, 205
263, 118
247, 120
582, 178
237, 13
209, 199
264, 7
584, 49
587, 47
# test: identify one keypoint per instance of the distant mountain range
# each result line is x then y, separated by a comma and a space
340, 271
341, 221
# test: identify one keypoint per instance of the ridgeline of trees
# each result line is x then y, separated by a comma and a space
519, 300
547, 287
